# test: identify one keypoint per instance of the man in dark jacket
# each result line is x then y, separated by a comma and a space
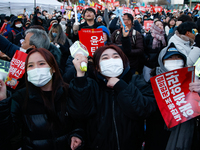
137, 51
90, 22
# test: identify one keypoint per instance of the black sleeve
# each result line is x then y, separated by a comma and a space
83, 96
136, 98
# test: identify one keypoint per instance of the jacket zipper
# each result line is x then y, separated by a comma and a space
115, 125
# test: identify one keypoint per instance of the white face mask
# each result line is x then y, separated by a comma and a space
111, 67
39, 76
173, 64
18, 25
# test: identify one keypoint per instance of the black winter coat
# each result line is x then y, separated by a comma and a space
114, 117
37, 131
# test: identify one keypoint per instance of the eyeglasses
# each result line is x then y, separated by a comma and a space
104, 33
126, 19
194, 31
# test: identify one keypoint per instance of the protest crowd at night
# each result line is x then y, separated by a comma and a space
99, 76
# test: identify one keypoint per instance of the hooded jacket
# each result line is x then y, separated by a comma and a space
184, 136
185, 45
114, 117
37, 132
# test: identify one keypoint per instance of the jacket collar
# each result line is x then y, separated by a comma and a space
34, 93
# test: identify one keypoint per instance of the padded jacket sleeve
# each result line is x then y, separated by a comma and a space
136, 98
83, 96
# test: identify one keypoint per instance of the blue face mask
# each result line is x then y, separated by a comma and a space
54, 34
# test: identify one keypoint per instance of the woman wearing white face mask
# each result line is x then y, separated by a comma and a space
61, 41
113, 104
39, 110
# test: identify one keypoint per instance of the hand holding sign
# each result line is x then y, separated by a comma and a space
79, 49
119, 14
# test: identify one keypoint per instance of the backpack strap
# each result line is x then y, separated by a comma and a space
14, 33
134, 36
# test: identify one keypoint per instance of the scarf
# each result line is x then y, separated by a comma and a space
158, 35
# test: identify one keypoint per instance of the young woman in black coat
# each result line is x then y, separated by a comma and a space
39, 111
114, 105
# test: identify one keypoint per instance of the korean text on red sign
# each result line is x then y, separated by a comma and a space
176, 103
147, 24
17, 69
92, 39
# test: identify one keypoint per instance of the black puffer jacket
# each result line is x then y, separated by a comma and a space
37, 130
114, 117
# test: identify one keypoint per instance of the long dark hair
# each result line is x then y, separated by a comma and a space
99, 51
57, 82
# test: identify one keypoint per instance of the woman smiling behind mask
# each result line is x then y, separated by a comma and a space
40, 109
114, 105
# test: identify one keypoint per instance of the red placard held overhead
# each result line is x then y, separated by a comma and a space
116, 4
92, 39
136, 10
157, 9
98, 6
175, 101
128, 10
147, 24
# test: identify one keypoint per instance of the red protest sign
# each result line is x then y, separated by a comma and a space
197, 7
108, 1
79, 7
176, 103
142, 9
98, 6
17, 69
116, 4
157, 9
92, 39
136, 10
128, 10
147, 24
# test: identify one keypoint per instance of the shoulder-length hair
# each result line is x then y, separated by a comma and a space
61, 37
57, 82
99, 51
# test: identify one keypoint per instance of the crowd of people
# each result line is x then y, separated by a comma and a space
111, 106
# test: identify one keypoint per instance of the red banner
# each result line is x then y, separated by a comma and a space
69, 7
157, 9
116, 4
17, 69
79, 7
128, 10
175, 101
98, 6
136, 10
92, 39
147, 24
